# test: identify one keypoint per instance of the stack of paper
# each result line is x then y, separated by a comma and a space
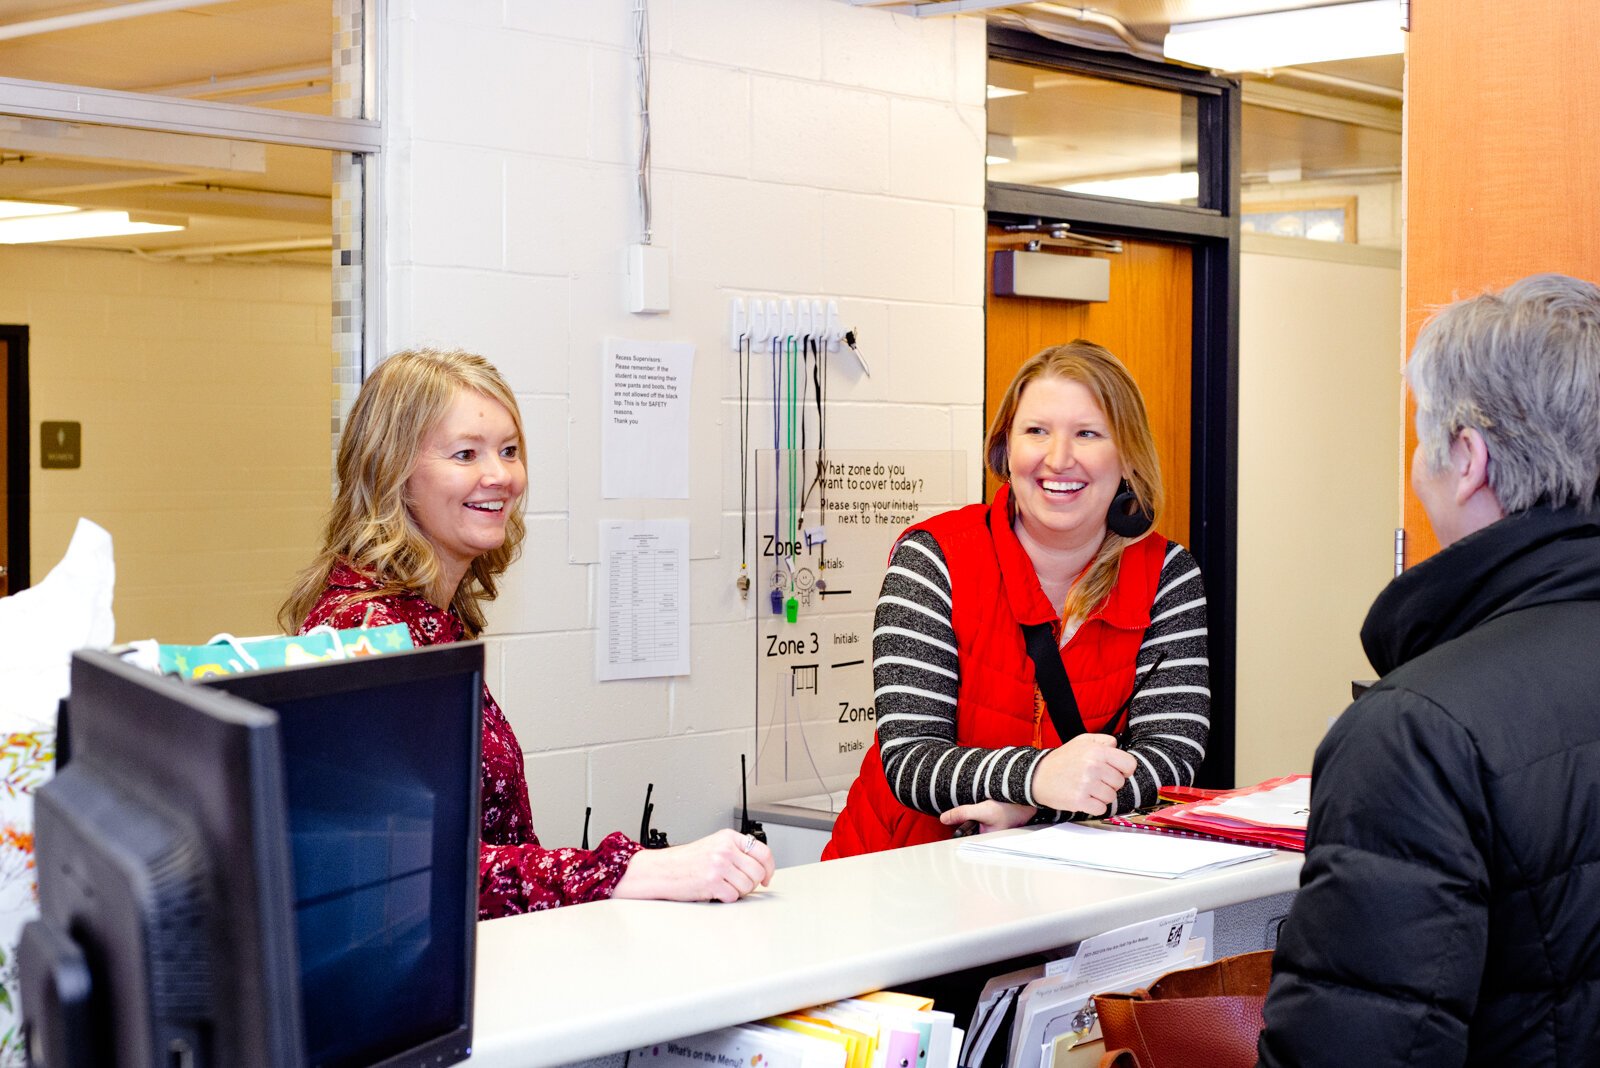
1093, 847
1024, 1018
1271, 813
884, 1029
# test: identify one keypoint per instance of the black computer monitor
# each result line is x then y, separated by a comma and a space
381, 760
360, 952
166, 930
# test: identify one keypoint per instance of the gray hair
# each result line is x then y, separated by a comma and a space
1522, 367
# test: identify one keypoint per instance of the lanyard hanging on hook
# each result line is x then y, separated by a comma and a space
776, 593
791, 606
743, 582
799, 334
816, 536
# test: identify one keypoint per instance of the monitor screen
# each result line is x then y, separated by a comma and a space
381, 758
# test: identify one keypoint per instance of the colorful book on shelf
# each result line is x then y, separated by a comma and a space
1271, 813
882, 1029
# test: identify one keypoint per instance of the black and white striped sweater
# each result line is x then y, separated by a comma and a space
916, 676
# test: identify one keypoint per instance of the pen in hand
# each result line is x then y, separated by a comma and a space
1127, 706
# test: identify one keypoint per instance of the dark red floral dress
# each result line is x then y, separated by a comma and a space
515, 873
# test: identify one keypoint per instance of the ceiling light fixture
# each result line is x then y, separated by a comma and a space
74, 225
21, 209
1007, 79
1289, 38
1157, 188
1000, 149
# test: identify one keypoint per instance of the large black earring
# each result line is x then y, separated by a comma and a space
1127, 517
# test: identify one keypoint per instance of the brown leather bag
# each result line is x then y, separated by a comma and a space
1205, 1017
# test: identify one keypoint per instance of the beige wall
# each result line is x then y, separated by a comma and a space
204, 393
1319, 433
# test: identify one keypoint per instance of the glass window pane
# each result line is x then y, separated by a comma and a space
1319, 178
276, 54
1083, 134
195, 356
201, 197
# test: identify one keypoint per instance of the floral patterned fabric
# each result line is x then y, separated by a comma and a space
515, 873
27, 760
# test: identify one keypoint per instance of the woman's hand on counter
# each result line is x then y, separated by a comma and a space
1083, 775
717, 867
989, 815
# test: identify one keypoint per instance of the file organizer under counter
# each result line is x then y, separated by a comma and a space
576, 984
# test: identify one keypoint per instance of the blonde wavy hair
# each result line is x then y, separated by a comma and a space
370, 526
1118, 396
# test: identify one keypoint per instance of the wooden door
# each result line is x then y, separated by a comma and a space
5, 466
1502, 162
1146, 323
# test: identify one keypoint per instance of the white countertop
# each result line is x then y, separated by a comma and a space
580, 982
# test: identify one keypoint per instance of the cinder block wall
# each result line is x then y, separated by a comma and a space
801, 148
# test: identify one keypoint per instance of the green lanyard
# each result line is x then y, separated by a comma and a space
791, 607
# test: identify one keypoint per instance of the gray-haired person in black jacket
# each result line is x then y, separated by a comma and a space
1449, 910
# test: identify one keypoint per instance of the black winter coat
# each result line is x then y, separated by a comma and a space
1449, 909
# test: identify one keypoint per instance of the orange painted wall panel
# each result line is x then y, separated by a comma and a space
1502, 159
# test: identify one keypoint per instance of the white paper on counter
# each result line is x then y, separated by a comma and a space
1126, 852
644, 599
644, 419
1287, 805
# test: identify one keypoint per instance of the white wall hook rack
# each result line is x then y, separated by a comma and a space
758, 321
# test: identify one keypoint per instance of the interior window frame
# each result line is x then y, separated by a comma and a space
1211, 229
358, 138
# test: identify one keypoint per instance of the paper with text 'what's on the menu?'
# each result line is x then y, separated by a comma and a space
644, 599
644, 419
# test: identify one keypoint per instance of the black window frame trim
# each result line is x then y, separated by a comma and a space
1212, 232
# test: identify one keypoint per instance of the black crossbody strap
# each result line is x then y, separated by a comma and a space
1051, 675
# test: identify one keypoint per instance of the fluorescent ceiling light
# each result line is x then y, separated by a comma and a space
18, 209
1001, 149
1160, 188
1289, 38
1008, 79
72, 225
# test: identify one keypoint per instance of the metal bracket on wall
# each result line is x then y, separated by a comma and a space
1057, 235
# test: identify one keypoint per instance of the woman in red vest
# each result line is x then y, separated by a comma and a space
982, 605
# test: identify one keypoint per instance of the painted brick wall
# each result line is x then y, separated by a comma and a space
204, 391
801, 147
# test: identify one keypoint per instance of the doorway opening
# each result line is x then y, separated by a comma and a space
14, 459
1143, 156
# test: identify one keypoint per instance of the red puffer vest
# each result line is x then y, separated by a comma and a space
994, 591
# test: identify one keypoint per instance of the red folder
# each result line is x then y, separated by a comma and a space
1185, 819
